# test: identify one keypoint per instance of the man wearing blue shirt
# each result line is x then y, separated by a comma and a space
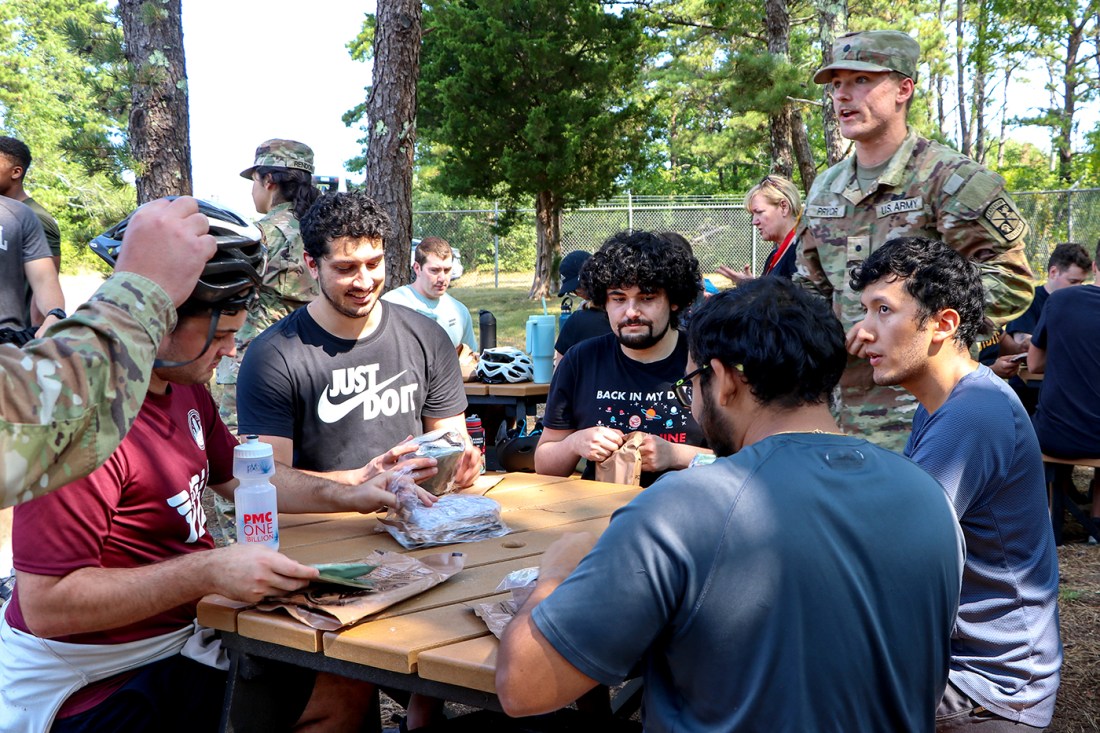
804, 581
924, 310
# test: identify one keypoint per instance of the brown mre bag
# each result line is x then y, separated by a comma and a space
625, 465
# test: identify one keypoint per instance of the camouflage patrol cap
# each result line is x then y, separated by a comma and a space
278, 153
872, 51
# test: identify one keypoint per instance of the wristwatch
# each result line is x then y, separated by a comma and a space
57, 312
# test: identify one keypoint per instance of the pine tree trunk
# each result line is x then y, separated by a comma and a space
779, 125
777, 22
391, 111
159, 131
803, 153
938, 80
1063, 133
548, 242
960, 67
979, 115
832, 21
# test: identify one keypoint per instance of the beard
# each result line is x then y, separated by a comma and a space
338, 301
716, 425
640, 341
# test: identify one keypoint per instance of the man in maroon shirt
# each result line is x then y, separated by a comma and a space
100, 632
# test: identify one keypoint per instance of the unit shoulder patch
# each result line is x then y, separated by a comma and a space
1005, 219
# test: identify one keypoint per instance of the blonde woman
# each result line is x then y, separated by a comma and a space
776, 206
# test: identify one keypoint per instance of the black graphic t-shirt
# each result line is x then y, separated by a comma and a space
597, 384
344, 402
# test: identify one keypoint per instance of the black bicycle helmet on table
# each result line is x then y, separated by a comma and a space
230, 280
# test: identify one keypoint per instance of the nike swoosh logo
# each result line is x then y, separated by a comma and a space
331, 413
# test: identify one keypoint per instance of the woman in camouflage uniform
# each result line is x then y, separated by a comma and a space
282, 190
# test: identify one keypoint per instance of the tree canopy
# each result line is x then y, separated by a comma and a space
68, 110
533, 100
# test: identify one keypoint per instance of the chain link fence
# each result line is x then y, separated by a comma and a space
718, 227
1059, 216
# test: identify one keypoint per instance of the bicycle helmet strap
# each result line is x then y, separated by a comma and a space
215, 315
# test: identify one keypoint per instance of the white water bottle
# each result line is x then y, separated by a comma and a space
256, 507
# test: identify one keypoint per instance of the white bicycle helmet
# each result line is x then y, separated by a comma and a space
504, 364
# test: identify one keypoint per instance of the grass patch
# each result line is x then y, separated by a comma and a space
509, 304
1068, 595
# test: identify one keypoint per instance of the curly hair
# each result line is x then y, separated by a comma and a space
788, 342
650, 261
935, 275
335, 215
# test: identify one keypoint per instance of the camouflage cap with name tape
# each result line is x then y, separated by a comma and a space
279, 153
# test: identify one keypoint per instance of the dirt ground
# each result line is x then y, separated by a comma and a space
1078, 707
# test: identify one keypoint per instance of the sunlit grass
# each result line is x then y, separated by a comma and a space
509, 303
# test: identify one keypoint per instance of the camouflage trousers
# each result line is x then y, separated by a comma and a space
882, 415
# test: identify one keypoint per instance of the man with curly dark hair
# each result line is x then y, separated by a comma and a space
335, 385
924, 310
609, 386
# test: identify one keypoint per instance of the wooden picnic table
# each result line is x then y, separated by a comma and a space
431, 643
520, 400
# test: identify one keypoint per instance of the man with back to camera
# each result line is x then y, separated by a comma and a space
898, 184
428, 296
778, 587
15, 160
585, 322
67, 400
26, 267
99, 631
337, 387
924, 305
612, 385
1068, 265
1065, 348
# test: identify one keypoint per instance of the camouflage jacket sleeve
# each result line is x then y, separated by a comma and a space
980, 220
67, 400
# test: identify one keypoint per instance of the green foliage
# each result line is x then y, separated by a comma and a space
509, 304
476, 235
504, 83
1027, 168
361, 48
70, 112
532, 96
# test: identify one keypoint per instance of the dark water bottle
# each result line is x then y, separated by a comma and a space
566, 311
477, 436
487, 330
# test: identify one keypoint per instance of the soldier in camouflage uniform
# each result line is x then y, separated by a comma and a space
282, 190
67, 400
898, 184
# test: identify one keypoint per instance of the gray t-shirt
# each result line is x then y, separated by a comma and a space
21, 240
345, 402
1006, 653
807, 583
